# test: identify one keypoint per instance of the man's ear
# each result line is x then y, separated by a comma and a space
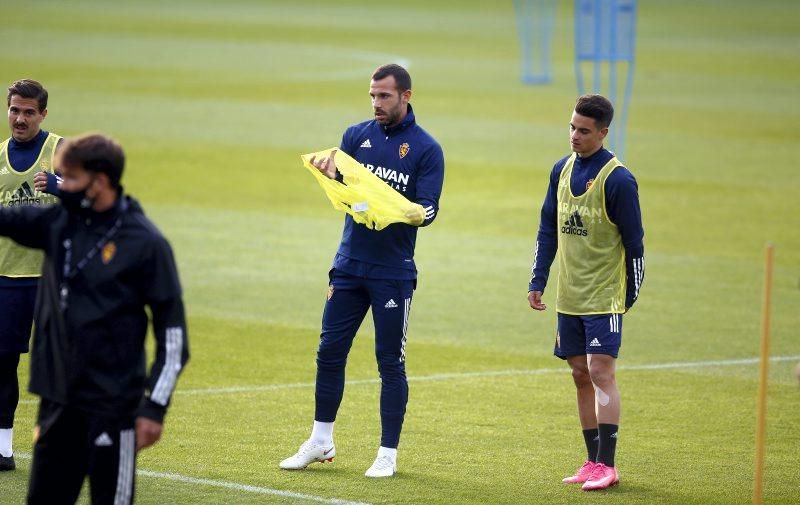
102, 180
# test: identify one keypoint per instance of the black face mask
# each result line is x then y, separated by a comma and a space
77, 201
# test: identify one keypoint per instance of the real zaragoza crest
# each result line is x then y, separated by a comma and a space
108, 252
404, 148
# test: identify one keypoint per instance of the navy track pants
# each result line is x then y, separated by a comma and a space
349, 298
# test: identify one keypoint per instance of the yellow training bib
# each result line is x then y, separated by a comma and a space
16, 188
591, 258
364, 195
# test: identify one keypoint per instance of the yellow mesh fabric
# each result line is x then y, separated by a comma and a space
364, 195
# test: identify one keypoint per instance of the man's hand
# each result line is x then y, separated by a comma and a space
416, 214
326, 165
148, 432
40, 181
535, 300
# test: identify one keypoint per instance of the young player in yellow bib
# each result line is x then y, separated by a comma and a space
591, 217
28, 152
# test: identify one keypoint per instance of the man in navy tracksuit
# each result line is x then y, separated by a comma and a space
375, 269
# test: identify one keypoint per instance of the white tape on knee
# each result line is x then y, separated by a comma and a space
602, 397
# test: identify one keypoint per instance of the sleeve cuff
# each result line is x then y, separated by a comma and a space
152, 410
52, 184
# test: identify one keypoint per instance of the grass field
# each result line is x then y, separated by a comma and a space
215, 101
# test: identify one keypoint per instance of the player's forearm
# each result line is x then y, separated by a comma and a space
429, 184
634, 269
544, 253
25, 225
53, 184
172, 353
430, 209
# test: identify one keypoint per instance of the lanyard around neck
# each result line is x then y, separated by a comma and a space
70, 272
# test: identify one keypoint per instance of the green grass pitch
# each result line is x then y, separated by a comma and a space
215, 101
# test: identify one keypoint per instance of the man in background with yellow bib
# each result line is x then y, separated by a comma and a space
591, 217
29, 151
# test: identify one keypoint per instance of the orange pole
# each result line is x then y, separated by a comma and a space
761, 409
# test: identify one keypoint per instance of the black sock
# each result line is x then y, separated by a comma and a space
608, 443
591, 437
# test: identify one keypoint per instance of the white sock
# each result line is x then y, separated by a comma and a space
6, 437
385, 451
322, 433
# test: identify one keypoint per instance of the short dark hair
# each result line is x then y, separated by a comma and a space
596, 107
28, 88
401, 76
96, 153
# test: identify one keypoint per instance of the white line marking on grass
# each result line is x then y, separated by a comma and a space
232, 485
263, 387
468, 375
696, 364
487, 373
244, 487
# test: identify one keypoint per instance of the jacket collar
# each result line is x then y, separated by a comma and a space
597, 155
407, 121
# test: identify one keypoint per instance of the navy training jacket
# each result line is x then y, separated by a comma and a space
410, 161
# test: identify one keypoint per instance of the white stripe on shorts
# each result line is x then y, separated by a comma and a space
613, 323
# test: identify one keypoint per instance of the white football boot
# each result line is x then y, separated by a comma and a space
309, 452
384, 466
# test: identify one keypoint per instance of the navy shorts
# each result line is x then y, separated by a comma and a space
595, 334
16, 318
